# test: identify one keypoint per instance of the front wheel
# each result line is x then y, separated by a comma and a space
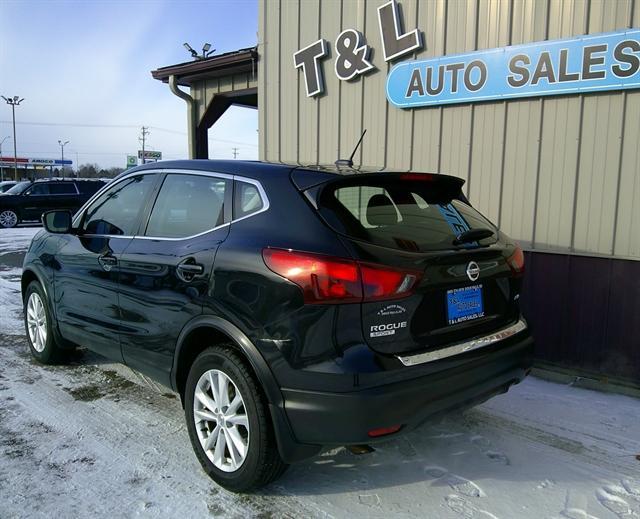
8, 219
39, 326
228, 422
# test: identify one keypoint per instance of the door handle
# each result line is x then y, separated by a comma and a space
188, 269
107, 261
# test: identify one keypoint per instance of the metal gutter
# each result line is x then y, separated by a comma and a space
191, 114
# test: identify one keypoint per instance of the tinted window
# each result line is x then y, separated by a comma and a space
89, 187
62, 188
187, 205
117, 211
38, 189
407, 215
247, 200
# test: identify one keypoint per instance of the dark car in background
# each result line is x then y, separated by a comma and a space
293, 309
27, 201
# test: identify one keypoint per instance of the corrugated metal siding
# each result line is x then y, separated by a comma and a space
558, 173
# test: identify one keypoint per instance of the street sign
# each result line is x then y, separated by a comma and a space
132, 161
150, 155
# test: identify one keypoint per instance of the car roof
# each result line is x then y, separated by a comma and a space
303, 176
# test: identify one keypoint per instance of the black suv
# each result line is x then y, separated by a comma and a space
27, 201
292, 309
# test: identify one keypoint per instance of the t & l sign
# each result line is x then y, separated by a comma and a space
598, 62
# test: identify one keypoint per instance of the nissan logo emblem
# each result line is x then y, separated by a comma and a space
473, 271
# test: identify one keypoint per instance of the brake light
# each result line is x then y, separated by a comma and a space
325, 279
425, 177
516, 261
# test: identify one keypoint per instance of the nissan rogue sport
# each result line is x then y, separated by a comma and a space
293, 309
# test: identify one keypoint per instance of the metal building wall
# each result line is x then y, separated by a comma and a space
560, 173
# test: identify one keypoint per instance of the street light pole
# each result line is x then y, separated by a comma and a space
1, 167
62, 145
14, 101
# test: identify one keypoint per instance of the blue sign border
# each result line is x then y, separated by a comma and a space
565, 54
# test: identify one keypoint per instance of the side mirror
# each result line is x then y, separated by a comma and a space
57, 222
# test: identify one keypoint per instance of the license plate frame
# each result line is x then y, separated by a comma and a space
464, 304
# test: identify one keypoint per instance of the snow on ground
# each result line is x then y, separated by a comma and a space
13, 243
84, 440
16, 239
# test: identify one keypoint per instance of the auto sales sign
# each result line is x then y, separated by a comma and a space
591, 63
587, 64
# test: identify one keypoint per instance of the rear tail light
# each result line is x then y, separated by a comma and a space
325, 279
516, 261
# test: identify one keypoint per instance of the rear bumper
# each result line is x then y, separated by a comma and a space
325, 418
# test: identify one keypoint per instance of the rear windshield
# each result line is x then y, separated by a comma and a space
19, 188
415, 216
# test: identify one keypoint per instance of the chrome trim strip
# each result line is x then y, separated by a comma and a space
463, 347
163, 238
261, 191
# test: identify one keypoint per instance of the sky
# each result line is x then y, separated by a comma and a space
83, 69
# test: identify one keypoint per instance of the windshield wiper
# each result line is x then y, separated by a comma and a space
472, 235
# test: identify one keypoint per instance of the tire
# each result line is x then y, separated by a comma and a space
226, 465
8, 219
38, 324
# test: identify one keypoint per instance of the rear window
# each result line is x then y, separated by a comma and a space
411, 215
89, 187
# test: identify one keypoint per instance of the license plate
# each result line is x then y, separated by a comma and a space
464, 304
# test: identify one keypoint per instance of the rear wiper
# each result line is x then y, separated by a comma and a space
472, 235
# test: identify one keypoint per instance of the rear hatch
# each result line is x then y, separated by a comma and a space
464, 275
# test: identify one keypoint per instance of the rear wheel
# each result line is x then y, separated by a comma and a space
228, 422
39, 326
8, 219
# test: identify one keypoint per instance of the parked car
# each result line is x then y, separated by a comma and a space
293, 309
27, 201
5, 185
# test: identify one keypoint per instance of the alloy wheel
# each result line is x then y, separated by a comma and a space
37, 322
8, 219
221, 420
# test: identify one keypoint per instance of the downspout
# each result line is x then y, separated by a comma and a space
191, 114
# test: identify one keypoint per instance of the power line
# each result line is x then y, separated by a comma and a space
127, 126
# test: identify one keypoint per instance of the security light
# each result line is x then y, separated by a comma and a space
206, 47
193, 52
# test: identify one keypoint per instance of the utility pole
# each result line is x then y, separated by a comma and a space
143, 140
1, 167
62, 145
235, 152
14, 101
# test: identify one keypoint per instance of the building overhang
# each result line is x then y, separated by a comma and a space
224, 65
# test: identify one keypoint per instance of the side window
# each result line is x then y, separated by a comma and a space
247, 200
62, 188
116, 212
38, 189
187, 205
